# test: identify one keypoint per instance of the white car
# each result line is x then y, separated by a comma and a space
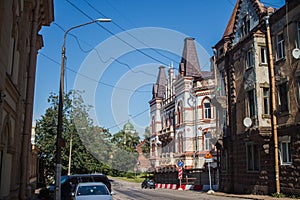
91, 191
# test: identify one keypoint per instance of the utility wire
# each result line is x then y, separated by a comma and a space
130, 45
99, 56
120, 27
131, 118
89, 78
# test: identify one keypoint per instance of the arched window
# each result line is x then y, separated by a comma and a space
153, 125
153, 149
180, 143
179, 113
207, 109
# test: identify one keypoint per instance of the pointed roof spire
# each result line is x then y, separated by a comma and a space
160, 87
189, 65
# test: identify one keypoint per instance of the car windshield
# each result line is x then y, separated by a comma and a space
92, 190
63, 179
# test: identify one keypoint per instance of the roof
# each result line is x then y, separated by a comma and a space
189, 65
230, 28
159, 88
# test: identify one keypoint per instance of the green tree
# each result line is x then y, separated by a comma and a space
76, 123
124, 153
146, 143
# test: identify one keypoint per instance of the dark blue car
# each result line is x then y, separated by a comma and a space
147, 183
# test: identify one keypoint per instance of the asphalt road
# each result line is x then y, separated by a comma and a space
132, 191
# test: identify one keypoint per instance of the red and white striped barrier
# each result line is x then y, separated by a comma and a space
184, 187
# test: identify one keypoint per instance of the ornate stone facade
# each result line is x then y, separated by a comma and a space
183, 119
20, 22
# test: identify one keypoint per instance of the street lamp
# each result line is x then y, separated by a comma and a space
60, 110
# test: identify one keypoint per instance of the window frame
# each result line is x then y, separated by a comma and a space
298, 91
280, 54
266, 100
253, 157
285, 140
263, 55
250, 59
251, 103
283, 96
298, 33
207, 139
207, 110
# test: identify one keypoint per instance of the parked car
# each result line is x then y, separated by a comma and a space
69, 183
91, 191
147, 183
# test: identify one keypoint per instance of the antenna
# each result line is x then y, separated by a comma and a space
247, 122
296, 53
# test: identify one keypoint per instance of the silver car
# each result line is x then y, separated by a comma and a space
92, 190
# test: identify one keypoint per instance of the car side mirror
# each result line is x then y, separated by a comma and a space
112, 193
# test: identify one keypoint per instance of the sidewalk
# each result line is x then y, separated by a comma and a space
250, 196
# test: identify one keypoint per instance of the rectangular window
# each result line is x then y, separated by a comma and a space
207, 111
280, 46
250, 59
207, 144
283, 98
253, 157
298, 90
266, 95
263, 55
298, 28
251, 102
285, 152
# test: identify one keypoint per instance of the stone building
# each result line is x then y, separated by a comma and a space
242, 58
20, 23
285, 33
182, 118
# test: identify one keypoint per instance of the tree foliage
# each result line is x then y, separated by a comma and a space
46, 129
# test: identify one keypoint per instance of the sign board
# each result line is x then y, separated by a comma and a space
180, 164
208, 160
180, 173
208, 155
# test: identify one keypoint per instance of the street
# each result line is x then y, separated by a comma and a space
126, 190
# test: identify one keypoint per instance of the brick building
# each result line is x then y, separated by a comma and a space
242, 58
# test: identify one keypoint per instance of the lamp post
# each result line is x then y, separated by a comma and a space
60, 110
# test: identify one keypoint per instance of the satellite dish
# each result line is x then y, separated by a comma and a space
247, 122
296, 53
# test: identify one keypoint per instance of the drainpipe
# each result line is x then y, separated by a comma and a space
25, 153
273, 103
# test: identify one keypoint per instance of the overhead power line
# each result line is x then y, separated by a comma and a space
123, 29
99, 56
115, 35
91, 79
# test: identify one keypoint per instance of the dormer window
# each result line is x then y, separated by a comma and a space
245, 27
250, 58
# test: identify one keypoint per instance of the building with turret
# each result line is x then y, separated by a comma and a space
183, 119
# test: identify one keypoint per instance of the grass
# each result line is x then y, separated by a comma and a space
132, 178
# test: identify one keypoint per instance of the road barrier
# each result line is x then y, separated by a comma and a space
185, 187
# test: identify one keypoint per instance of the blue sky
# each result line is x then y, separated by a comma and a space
104, 61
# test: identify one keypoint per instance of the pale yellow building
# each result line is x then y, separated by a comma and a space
20, 23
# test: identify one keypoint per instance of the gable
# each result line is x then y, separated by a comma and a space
247, 18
